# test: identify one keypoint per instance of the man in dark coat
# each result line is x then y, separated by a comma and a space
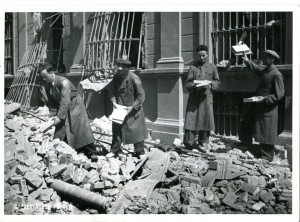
199, 119
261, 121
126, 90
70, 117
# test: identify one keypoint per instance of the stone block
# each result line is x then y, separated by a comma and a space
244, 197
57, 170
15, 179
24, 188
230, 198
35, 194
46, 194
21, 170
97, 187
258, 206
249, 188
267, 197
33, 179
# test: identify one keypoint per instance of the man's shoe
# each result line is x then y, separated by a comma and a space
110, 155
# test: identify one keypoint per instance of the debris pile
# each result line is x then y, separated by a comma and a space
46, 176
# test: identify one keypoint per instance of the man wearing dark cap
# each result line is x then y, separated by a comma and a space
126, 90
67, 107
261, 122
199, 119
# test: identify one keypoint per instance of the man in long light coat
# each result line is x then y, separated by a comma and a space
199, 119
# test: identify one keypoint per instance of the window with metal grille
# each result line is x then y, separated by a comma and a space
114, 34
8, 54
263, 30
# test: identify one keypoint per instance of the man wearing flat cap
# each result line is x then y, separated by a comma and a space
126, 90
261, 122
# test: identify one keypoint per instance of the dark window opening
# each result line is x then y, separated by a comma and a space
8, 38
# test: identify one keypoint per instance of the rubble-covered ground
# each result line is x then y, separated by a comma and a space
169, 180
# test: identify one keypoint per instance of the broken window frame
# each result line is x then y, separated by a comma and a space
115, 44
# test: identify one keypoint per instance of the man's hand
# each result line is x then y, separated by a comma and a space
260, 99
56, 120
116, 106
245, 58
129, 109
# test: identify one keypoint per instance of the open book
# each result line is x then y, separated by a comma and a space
240, 49
200, 83
118, 115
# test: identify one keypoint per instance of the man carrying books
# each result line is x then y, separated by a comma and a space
199, 120
261, 120
126, 92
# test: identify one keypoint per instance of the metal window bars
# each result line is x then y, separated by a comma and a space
113, 34
264, 30
23, 84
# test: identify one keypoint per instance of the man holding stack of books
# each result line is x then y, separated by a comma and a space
199, 120
127, 95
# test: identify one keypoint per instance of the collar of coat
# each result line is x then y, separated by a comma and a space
204, 64
271, 68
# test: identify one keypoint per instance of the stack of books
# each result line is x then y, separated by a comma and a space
200, 83
118, 115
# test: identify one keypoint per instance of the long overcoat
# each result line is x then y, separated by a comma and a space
64, 102
199, 110
265, 114
128, 91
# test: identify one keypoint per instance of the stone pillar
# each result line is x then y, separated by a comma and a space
169, 122
170, 41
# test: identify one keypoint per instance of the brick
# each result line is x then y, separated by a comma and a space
108, 184
96, 187
24, 188
33, 179
223, 189
9, 165
244, 197
230, 198
15, 179
267, 197
258, 206
46, 194
57, 170
249, 188
21, 170
221, 183
35, 194
206, 209
209, 196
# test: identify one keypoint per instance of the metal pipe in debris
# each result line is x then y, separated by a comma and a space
81, 195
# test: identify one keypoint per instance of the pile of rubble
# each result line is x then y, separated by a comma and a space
46, 176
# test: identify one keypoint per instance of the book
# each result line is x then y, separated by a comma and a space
253, 99
240, 49
118, 115
200, 83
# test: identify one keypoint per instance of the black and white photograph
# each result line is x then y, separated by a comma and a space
112, 113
